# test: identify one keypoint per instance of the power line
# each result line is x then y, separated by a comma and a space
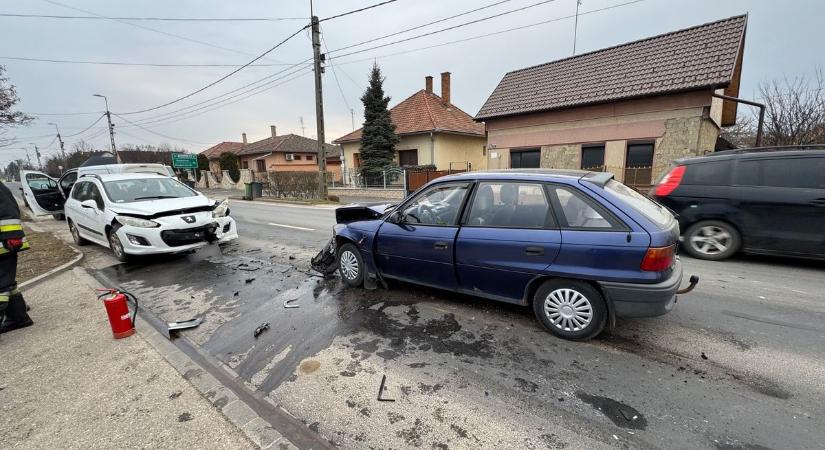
357, 10
494, 16
507, 30
87, 128
122, 63
271, 49
164, 19
66, 113
161, 134
335, 75
223, 103
396, 33
208, 44
260, 80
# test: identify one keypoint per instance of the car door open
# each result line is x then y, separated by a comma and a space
41, 193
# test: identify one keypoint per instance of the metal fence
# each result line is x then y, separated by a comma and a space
390, 178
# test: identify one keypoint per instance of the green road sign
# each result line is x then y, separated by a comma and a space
184, 161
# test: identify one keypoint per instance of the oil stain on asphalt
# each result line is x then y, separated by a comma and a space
619, 413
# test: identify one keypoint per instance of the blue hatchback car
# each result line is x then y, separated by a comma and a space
581, 247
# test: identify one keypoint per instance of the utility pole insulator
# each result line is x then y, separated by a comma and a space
319, 105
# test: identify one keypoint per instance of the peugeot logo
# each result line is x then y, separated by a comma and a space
188, 219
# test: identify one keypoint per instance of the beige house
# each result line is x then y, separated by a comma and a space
432, 131
630, 109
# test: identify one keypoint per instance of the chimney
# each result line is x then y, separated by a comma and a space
428, 84
445, 87
243, 136
274, 130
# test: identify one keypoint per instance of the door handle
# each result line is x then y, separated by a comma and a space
534, 251
440, 246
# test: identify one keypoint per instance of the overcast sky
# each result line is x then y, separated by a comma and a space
779, 43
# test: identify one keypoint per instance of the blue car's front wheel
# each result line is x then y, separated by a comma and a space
351, 265
570, 309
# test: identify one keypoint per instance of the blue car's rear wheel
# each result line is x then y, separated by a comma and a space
351, 265
570, 309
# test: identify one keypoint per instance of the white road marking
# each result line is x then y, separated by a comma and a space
291, 226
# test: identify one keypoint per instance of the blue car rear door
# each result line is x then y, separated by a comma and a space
509, 235
417, 243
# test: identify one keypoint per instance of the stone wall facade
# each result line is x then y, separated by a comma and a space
246, 177
566, 156
392, 194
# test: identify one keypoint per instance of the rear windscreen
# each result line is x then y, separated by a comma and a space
657, 213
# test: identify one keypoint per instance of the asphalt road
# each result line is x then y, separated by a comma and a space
739, 364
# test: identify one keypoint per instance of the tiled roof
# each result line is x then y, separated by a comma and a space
423, 112
215, 151
703, 56
288, 143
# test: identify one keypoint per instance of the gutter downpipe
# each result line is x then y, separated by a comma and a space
432, 148
748, 102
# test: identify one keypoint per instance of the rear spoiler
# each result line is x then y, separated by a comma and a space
598, 178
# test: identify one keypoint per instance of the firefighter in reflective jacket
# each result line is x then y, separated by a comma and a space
13, 313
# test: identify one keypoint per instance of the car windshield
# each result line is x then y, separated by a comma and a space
143, 189
650, 209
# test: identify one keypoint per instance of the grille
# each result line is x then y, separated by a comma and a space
177, 238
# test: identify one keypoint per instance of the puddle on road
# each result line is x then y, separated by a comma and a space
619, 413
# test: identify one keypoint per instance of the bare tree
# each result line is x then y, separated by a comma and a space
9, 117
794, 114
795, 110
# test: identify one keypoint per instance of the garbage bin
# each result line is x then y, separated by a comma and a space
247, 191
257, 189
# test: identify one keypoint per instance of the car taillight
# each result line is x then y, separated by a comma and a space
670, 181
658, 259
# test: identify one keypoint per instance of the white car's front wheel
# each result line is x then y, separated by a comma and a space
116, 245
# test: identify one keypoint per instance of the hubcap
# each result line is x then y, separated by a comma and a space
568, 309
711, 240
349, 265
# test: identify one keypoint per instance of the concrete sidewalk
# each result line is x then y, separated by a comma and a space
65, 383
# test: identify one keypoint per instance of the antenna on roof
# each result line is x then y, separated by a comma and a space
301, 119
576, 25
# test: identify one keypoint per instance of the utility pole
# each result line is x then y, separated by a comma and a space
319, 105
62, 149
37, 152
111, 127
576, 25
352, 117
28, 158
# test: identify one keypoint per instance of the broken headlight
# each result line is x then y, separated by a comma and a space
221, 209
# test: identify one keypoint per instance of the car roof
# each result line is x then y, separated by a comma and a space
758, 152
520, 174
104, 177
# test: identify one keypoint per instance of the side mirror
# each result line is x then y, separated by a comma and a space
91, 204
396, 217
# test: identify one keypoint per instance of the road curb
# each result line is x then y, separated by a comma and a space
215, 383
56, 270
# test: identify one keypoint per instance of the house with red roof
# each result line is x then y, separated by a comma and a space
433, 131
631, 109
213, 154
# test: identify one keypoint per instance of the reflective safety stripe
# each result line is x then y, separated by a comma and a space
7, 228
14, 291
3, 251
10, 222
4, 297
25, 246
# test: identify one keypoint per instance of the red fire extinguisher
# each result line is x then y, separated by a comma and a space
117, 308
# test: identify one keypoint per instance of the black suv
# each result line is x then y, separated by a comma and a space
762, 200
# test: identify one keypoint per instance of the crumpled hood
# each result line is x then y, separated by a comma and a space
361, 211
163, 206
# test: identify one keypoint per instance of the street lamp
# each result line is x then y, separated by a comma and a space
111, 127
62, 150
